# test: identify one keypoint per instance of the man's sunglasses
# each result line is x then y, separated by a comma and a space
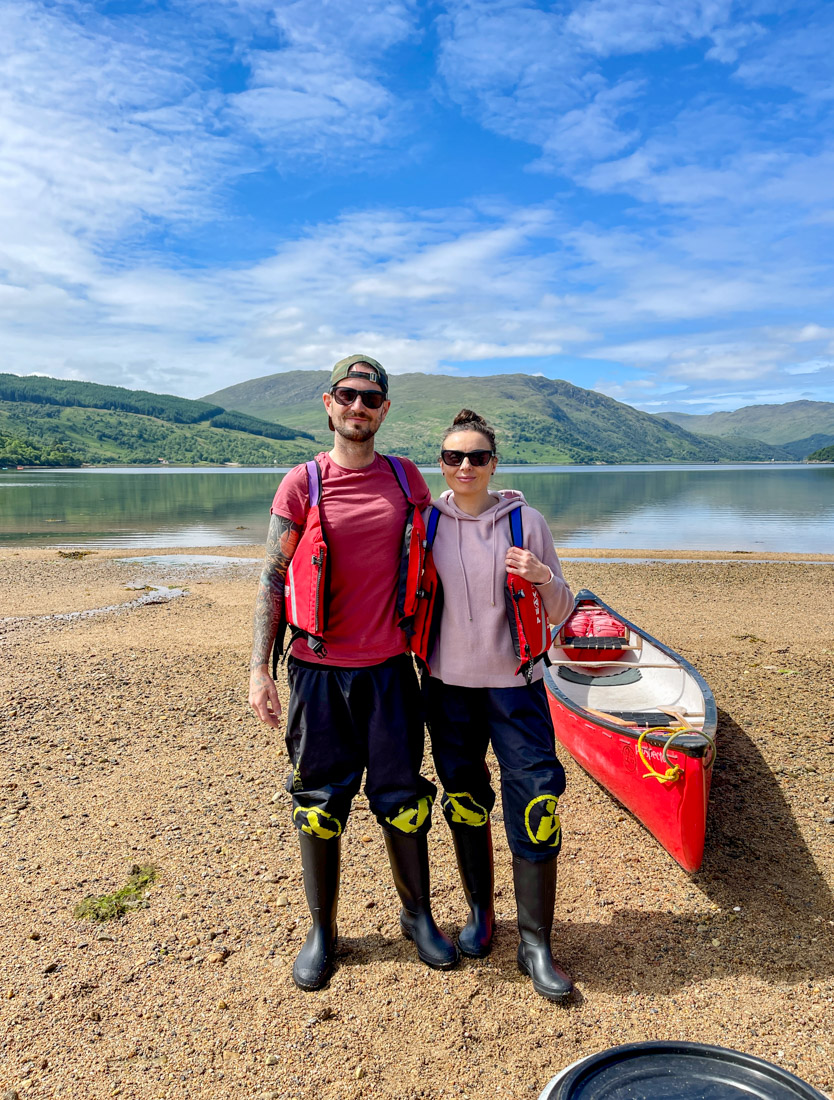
346, 395
476, 458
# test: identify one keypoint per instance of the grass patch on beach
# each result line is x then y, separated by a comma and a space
115, 905
74, 555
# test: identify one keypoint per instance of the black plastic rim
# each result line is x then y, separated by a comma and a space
662, 1070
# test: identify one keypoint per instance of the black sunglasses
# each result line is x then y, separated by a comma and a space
476, 458
346, 395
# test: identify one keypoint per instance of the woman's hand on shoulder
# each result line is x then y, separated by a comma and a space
524, 563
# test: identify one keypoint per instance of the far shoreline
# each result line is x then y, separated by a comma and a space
507, 467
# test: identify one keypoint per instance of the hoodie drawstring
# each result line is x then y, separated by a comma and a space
492, 593
463, 569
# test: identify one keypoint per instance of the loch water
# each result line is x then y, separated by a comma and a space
772, 507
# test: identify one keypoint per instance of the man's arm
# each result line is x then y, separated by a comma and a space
281, 543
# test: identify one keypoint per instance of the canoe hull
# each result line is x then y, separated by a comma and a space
674, 813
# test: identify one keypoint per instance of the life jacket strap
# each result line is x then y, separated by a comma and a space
431, 527
401, 476
516, 528
313, 482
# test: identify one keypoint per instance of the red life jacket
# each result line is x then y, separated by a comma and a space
426, 620
581, 635
526, 614
525, 610
307, 585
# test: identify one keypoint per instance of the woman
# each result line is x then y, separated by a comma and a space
474, 697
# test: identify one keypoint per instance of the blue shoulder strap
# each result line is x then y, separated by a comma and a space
516, 529
313, 482
431, 527
402, 477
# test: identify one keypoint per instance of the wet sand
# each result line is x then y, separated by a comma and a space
127, 740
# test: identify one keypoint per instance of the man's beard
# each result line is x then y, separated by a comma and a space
356, 433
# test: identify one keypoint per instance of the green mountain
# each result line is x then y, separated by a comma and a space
51, 422
538, 420
825, 454
799, 426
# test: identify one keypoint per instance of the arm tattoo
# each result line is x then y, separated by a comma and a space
281, 543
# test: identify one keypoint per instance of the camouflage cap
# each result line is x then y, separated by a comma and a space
375, 372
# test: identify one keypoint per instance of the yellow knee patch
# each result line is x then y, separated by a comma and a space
464, 809
317, 822
542, 821
408, 819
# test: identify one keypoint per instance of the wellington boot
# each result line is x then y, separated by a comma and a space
535, 898
320, 862
409, 859
473, 848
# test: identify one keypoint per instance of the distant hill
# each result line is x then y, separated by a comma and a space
799, 426
825, 454
47, 421
539, 420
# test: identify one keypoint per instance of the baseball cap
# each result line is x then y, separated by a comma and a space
370, 370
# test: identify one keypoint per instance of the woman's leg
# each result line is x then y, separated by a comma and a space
460, 737
532, 779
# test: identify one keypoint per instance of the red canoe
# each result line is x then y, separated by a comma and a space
608, 684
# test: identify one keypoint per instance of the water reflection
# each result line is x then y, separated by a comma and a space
778, 508
714, 508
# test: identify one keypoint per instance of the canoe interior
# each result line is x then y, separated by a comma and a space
663, 686
663, 683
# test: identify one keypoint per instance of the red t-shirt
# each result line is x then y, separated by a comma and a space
363, 514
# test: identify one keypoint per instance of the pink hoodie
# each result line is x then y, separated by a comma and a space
475, 647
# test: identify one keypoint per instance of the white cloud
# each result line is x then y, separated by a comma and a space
612, 27
317, 92
812, 366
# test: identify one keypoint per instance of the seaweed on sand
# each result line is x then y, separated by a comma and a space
115, 905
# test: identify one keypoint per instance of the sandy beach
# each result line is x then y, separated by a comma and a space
128, 740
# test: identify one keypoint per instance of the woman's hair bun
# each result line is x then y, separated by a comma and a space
469, 421
466, 416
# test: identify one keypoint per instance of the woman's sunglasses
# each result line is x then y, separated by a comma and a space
476, 458
346, 395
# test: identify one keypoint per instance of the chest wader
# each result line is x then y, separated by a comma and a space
535, 898
473, 850
320, 865
408, 855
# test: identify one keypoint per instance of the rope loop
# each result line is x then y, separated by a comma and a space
673, 772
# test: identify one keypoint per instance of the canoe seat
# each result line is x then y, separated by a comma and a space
591, 642
615, 679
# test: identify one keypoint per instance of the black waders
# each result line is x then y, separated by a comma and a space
535, 898
473, 848
409, 859
320, 862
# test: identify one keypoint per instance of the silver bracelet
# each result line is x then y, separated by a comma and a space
543, 583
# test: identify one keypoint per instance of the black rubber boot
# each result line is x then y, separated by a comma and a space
409, 859
535, 898
473, 848
320, 862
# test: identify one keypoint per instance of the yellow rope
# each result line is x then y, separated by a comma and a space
673, 772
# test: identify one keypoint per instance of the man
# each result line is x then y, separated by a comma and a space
354, 699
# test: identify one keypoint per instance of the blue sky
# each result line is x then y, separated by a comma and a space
635, 196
